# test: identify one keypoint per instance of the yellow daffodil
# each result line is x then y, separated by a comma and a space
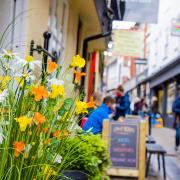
29, 58
81, 107
20, 81
57, 91
24, 122
48, 171
77, 61
4, 80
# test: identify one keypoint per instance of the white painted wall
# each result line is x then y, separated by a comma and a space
15, 36
163, 47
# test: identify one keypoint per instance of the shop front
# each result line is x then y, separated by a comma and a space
164, 85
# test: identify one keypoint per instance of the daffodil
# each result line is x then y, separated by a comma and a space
4, 81
29, 58
57, 91
77, 61
91, 103
39, 118
48, 171
56, 81
19, 146
24, 121
58, 159
78, 76
39, 93
20, 81
3, 95
9, 55
52, 66
81, 107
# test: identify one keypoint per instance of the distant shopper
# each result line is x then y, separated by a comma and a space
122, 103
95, 120
154, 106
176, 110
143, 108
136, 106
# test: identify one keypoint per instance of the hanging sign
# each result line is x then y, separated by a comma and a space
128, 43
141, 11
175, 30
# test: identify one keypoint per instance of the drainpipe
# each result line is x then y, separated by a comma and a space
13, 24
85, 46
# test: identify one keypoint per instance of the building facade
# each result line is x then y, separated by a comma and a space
161, 76
71, 27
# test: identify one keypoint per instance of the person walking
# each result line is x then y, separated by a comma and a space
122, 103
95, 120
176, 110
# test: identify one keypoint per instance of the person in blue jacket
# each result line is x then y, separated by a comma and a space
95, 120
122, 103
176, 110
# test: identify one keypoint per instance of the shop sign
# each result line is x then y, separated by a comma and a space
140, 61
141, 11
124, 145
175, 29
128, 43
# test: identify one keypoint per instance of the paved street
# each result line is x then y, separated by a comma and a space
165, 137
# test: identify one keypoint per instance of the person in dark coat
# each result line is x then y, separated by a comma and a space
95, 120
176, 110
122, 103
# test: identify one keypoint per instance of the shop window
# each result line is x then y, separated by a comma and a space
58, 17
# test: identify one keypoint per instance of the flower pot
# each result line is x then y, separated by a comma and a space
74, 175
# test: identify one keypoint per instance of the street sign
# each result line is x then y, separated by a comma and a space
142, 11
140, 61
128, 43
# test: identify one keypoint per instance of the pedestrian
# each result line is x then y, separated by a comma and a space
94, 122
154, 106
136, 106
143, 108
122, 103
176, 110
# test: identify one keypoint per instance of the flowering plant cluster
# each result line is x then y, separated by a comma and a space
37, 116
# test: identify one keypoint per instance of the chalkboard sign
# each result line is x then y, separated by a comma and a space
124, 145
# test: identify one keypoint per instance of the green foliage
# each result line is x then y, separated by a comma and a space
89, 154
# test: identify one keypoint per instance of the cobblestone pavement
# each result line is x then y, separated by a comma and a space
165, 137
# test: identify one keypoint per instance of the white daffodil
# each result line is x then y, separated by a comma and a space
3, 95
29, 60
58, 159
56, 81
8, 54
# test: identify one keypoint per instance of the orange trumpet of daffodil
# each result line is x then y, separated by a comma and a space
52, 66
19, 146
78, 76
39, 93
39, 118
91, 103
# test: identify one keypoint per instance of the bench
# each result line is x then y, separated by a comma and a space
150, 140
159, 151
